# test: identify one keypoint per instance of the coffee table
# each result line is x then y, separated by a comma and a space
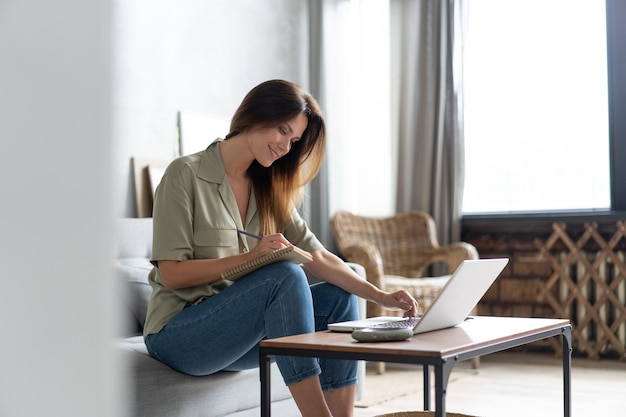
441, 350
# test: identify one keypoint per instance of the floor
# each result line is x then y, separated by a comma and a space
516, 384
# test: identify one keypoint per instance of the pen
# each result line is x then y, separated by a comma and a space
243, 232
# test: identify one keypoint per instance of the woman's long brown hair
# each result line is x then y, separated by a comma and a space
279, 188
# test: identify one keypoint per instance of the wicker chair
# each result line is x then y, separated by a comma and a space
396, 253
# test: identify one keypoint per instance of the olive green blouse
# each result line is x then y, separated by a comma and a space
196, 217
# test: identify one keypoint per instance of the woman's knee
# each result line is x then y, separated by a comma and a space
291, 270
288, 275
289, 282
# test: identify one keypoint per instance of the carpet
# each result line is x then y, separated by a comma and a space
398, 381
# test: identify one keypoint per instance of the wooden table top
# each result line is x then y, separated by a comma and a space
475, 333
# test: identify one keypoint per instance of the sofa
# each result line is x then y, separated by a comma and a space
157, 390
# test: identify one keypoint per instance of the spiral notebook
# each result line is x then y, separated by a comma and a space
290, 253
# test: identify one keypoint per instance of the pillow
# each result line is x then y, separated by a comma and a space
136, 291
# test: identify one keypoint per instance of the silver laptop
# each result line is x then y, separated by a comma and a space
459, 296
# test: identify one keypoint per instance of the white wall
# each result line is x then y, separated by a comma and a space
198, 56
56, 302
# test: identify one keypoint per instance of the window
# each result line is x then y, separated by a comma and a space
536, 106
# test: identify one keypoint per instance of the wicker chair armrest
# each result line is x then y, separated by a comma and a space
452, 255
369, 257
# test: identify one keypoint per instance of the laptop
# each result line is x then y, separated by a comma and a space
459, 296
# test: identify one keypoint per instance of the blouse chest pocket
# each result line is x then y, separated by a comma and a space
215, 243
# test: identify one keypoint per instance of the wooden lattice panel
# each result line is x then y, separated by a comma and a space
588, 286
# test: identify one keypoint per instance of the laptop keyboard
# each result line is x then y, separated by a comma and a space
399, 324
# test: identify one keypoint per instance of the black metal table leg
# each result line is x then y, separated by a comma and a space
265, 375
426, 387
442, 375
567, 371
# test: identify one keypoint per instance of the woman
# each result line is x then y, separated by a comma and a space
252, 181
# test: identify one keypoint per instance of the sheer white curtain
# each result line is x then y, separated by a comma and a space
356, 91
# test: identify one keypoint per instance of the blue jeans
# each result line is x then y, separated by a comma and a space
223, 332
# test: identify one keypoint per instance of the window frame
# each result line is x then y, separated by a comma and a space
616, 56
616, 66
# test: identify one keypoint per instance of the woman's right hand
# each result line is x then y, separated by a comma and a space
270, 243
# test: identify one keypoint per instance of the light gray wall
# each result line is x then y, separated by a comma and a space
200, 56
84, 86
56, 297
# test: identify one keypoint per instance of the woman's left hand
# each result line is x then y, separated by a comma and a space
400, 300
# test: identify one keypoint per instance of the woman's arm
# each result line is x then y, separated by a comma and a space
194, 272
329, 267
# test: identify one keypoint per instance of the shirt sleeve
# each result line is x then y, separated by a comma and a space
298, 233
173, 214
